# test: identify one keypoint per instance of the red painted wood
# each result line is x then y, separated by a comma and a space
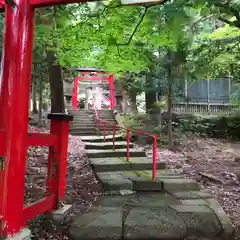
94, 77
128, 130
41, 206
46, 3
41, 139
19, 33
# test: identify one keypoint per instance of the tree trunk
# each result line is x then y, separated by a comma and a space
125, 106
34, 96
170, 137
56, 84
150, 94
133, 103
40, 103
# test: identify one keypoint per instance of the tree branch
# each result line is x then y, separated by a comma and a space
135, 29
230, 23
234, 11
139, 23
202, 19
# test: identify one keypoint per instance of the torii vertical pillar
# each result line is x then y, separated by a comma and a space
4, 93
18, 33
111, 88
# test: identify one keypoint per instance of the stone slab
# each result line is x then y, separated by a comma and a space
143, 184
100, 138
137, 199
114, 153
160, 173
145, 163
120, 192
121, 164
24, 234
153, 223
194, 202
169, 220
60, 213
228, 230
114, 181
80, 134
199, 220
179, 184
109, 164
114, 200
107, 145
100, 223
153, 199
190, 194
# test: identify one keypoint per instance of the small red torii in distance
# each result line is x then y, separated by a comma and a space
104, 76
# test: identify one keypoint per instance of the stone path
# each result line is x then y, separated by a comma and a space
135, 207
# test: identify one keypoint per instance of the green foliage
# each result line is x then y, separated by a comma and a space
117, 38
130, 122
216, 52
217, 55
219, 127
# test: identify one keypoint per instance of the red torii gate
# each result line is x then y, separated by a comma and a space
91, 71
14, 137
15, 82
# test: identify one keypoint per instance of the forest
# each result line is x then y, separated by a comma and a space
151, 49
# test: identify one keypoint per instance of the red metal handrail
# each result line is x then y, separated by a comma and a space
128, 130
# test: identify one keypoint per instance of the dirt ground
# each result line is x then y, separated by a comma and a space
214, 163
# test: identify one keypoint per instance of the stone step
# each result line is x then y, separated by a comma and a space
83, 134
116, 182
88, 125
108, 138
82, 116
78, 116
107, 145
121, 164
82, 112
105, 111
128, 180
114, 153
164, 222
75, 125
86, 132
81, 128
106, 116
108, 121
83, 121
84, 129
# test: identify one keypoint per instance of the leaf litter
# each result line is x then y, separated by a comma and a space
82, 187
216, 165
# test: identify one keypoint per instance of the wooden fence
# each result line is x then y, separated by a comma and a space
205, 108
